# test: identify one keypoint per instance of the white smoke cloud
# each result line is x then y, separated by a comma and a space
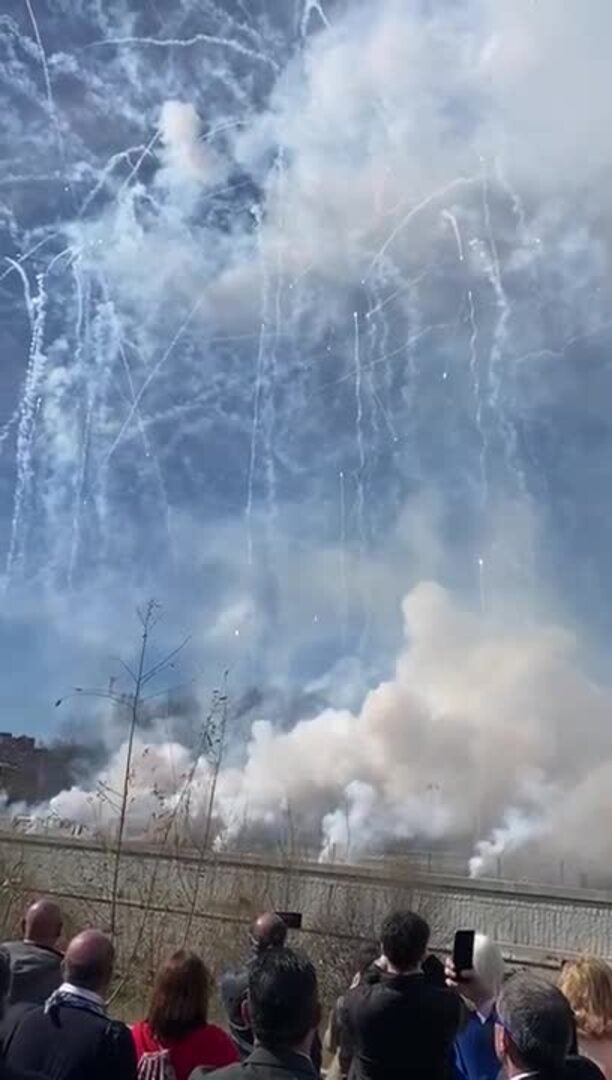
184, 152
387, 119
394, 115
158, 776
477, 718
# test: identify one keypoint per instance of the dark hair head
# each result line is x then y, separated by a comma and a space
283, 997
179, 1002
538, 1021
404, 939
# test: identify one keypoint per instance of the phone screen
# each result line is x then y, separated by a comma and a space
463, 951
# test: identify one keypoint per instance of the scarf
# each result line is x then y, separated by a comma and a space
74, 1000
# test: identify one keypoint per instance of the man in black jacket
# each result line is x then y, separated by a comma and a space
36, 962
402, 1024
71, 1038
283, 1007
6, 1072
268, 931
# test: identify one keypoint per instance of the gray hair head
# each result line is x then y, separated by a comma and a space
538, 1020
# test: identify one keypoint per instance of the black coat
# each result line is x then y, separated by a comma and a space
13, 1074
402, 1026
263, 1064
69, 1043
35, 971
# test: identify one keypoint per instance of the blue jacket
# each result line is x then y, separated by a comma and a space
475, 1057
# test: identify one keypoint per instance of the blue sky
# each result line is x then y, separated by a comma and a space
299, 305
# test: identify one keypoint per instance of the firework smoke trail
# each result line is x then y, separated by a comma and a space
271, 307
36, 308
254, 441
424, 204
474, 366
343, 577
186, 43
452, 220
6, 429
495, 370
116, 159
155, 370
82, 318
45, 68
361, 456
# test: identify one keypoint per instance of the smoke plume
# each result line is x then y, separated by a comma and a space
476, 718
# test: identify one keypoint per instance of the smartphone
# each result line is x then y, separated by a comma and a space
291, 919
463, 951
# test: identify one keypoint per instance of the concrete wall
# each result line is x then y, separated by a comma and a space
165, 899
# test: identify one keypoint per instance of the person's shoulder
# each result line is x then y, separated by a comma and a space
69, 1016
30, 950
22, 1016
446, 1000
104, 1032
237, 1071
217, 1046
118, 1049
21, 1026
355, 997
208, 1034
18, 951
579, 1067
116, 1029
216, 1034
366, 998
233, 984
8, 1073
416, 988
17, 1012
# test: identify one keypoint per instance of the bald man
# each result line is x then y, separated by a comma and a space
266, 932
72, 1038
36, 962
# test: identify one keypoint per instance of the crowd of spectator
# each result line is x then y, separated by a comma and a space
404, 1013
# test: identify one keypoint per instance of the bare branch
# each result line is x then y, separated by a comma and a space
165, 662
169, 689
126, 667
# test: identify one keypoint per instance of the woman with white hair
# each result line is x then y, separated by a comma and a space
475, 1057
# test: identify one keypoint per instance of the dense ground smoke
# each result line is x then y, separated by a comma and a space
477, 719
301, 305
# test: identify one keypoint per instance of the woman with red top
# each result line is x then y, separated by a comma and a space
177, 1020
